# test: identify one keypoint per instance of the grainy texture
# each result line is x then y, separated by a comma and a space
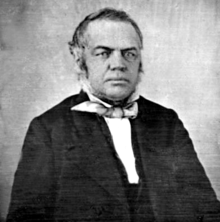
181, 62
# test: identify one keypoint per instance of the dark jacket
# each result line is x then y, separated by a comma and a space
69, 171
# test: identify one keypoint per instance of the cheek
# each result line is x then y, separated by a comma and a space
95, 77
134, 70
97, 67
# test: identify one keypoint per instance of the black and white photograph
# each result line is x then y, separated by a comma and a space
110, 111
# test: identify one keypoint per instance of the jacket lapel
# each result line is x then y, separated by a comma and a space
156, 157
142, 134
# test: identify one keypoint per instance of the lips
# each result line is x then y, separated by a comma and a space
117, 80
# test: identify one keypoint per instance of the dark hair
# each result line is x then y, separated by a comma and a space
78, 40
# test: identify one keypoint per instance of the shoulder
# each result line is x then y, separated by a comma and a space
57, 113
154, 110
61, 108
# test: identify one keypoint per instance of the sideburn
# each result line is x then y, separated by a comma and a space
83, 66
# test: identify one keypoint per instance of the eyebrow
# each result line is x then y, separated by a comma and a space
103, 47
130, 49
111, 49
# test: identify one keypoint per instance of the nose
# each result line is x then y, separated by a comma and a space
117, 62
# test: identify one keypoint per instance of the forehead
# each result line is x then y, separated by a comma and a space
114, 34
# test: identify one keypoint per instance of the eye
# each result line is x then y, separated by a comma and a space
103, 54
130, 55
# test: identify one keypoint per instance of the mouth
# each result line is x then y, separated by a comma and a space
118, 80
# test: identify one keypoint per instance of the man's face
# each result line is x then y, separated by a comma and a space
112, 58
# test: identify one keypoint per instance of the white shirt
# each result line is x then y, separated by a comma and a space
120, 129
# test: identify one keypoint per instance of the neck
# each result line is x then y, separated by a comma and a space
115, 102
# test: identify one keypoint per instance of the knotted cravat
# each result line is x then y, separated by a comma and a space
129, 111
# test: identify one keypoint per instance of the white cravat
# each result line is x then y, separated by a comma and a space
128, 111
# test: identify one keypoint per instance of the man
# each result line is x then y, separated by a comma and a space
108, 154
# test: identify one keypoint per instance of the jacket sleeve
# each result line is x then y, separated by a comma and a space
195, 186
32, 191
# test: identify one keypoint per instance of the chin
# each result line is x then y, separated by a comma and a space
118, 96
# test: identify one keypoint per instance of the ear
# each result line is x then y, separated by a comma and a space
77, 56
